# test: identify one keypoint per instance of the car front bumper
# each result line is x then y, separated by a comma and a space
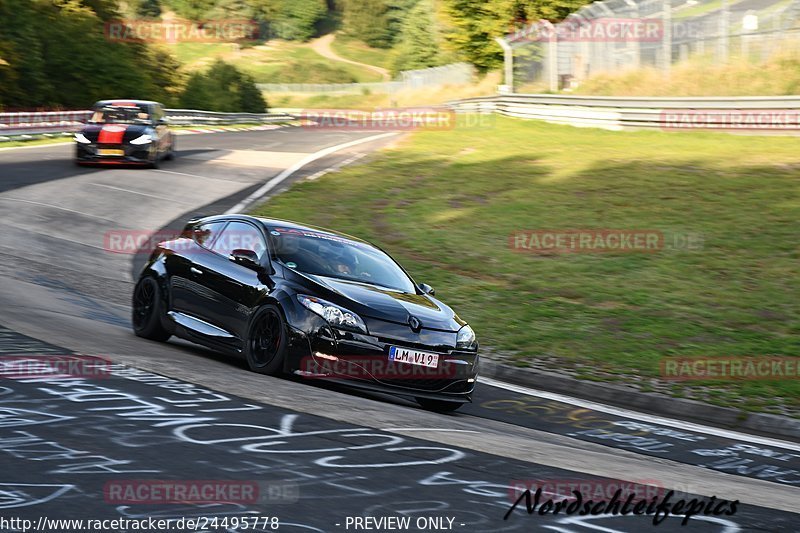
321, 352
90, 153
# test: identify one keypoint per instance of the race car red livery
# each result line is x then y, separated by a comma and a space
125, 132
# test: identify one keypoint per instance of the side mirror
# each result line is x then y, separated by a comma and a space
246, 258
427, 289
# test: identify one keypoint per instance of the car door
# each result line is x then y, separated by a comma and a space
182, 274
231, 291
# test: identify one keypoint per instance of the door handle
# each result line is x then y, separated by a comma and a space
196, 270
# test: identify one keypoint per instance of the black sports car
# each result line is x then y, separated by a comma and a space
310, 301
125, 132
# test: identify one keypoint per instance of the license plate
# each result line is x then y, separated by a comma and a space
413, 357
108, 151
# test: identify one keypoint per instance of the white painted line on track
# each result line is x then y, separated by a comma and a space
157, 197
431, 429
188, 175
43, 145
271, 184
54, 207
55, 237
635, 415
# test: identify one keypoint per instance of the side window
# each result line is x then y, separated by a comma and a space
240, 235
205, 234
153, 114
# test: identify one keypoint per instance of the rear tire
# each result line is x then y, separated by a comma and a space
154, 162
267, 341
146, 310
440, 406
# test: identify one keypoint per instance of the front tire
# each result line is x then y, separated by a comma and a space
146, 310
267, 341
155, 160
440, 406
170, 155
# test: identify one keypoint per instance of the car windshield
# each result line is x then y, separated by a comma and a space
120, 115
323, 254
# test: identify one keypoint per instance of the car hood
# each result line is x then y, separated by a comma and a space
114, 133
371, 301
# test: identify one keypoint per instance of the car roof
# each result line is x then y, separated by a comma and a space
124, 102
275, 222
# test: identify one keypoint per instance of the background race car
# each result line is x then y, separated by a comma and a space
125, 132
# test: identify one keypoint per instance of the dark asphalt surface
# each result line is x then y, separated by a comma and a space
94, 444
656, 440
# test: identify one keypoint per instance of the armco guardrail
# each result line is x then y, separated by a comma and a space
776, 114
33, 123
22, 124
190, 117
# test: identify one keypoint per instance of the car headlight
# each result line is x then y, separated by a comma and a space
335, 315
465, 340
144, 139
81, 138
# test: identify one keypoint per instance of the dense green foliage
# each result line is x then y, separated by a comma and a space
420, 40
56, 52
297, 19
223, 88
473, 24
286, 19
378, 23
465, 27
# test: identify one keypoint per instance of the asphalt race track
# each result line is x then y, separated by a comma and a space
312, 455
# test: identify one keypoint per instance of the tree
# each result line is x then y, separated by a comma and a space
223, 88
398, 13
165, 73
191, 9
419, 45
149, 9
368, 20
230, 9
297, 19
45, 43
473, 24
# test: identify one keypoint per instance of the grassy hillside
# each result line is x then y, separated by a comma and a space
355, 50
445, 203
273, 62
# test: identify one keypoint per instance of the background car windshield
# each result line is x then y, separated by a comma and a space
120, 115
327, 255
